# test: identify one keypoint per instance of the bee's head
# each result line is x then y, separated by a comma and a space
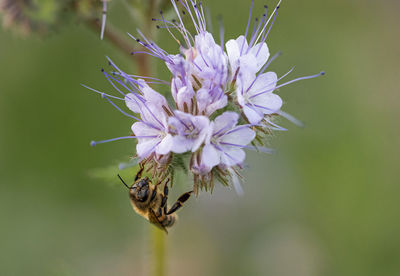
140, 190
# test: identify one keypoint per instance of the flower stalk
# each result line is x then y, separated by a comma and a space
159, 249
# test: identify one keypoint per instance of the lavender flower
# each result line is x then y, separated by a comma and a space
223, 99
225, 141
247, 58
189, 131
254, 95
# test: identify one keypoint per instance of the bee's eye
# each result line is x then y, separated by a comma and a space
142, 195
142, 183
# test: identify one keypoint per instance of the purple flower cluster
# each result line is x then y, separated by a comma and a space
223, 97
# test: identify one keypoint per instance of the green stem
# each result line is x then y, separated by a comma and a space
159, 248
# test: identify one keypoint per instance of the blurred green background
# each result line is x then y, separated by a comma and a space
326, 204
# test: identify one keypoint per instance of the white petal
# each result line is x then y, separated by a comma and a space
209, 133
180, 144
221, 103
264, 82
242, 44
177, 63
176, 84
248, 64
270, 103
146, 146
151, 95
203, 99
165, 146
204, 40
185, 95
210, 156
202, 123
244, 81
132, 102
233, 51
141, 129
261, 55
232, 156
154, 115
252, 115
236, 182
239, 136
239, 94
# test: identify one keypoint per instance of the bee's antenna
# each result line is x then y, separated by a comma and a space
123, 181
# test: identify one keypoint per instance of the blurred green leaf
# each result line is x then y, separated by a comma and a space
109, 174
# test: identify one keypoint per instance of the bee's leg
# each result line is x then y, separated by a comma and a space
139, 173
179, 203
165, 197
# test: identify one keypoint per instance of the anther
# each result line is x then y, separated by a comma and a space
322, 73
102, 70
157, 26
92, 143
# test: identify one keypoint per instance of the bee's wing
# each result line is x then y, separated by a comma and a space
154, 220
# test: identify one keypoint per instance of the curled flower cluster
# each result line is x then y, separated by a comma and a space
223, 99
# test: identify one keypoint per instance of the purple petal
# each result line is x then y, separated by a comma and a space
225, 122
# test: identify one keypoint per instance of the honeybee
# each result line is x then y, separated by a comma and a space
151, 204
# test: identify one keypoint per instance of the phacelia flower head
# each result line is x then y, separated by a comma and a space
223, 99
